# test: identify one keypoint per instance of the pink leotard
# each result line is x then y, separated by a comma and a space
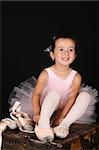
62, 86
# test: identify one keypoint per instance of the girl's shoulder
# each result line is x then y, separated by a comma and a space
43, 74
77, 77
47, 70
43, 77
76, 72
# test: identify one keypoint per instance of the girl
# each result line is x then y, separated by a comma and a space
58, 99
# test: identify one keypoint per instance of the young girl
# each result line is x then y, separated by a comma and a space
58, 99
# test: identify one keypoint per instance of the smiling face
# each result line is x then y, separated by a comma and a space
64, 51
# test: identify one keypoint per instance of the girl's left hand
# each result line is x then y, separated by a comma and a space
36, 118
57, 120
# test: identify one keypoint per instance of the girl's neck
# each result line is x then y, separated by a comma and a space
61, 68
61, 71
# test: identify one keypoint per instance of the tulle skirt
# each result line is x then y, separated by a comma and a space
23, 93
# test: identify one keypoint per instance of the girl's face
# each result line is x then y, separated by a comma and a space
64, 52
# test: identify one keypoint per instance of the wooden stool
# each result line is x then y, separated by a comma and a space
81, 137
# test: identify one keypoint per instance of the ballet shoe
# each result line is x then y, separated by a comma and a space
45, 135
7, 122
23, 121
3, 126
61, 132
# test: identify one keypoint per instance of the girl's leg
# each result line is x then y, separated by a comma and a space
50, 104
77, 110
43, 130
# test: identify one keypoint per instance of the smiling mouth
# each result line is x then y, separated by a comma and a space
65, 59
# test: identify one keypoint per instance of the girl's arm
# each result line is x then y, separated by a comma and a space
71, 99
42, 81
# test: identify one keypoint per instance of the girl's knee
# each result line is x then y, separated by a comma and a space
84, 95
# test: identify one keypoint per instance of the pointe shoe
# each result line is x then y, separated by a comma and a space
3, 126
16, 107
61, 132
45, 135
7, 122
23, 121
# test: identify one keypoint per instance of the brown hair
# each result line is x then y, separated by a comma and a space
55, 38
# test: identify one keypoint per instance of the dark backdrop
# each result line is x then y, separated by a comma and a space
27, 28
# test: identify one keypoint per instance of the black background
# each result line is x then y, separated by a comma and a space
27, 28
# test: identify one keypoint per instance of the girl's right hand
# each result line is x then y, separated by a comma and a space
36, 118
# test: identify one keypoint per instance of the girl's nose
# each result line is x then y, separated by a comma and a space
66, 51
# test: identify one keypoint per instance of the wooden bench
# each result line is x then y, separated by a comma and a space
81, 137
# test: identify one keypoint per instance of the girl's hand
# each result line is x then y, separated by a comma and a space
36, 118
57, 120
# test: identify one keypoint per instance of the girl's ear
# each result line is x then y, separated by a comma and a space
52, 55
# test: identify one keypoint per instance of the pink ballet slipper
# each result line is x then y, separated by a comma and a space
45, 135
61, 131
16, 107
7, 122
23, 121
3, 126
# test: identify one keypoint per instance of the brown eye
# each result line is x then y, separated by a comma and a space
71, 50
61, 49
